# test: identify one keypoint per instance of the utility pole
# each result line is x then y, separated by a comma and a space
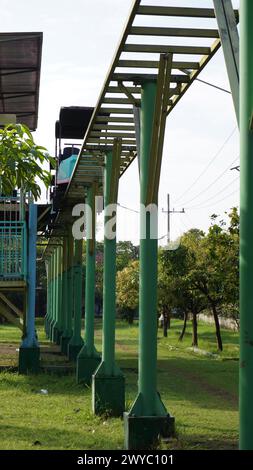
168, 212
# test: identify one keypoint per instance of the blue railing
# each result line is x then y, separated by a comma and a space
13, 250
13, 239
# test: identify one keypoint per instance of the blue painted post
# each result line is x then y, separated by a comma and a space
29, 352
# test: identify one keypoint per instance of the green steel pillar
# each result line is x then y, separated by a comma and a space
67, 335
47, 316
76, 341
66, 290
88, 359
108, 383
52, 296
246, 226
59, 294
49, 312
55, 326
148, 418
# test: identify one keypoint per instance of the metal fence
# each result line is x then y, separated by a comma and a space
13, 250
13, 239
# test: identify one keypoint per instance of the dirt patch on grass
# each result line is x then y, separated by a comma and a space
203, 384
49, 354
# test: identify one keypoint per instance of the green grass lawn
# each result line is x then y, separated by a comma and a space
200, 391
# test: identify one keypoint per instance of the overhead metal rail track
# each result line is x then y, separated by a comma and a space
195, 46
150, 32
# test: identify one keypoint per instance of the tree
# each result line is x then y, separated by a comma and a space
231, 284
22, 161
126, 252
176, 268
127, 287
215, 271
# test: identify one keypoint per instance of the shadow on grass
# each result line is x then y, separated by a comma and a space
57, 438
190, 380
198, 442
186, 381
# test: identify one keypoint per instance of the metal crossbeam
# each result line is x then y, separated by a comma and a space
157, 141
116, 153
230, 43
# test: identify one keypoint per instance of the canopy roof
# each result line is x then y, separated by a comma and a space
20, 63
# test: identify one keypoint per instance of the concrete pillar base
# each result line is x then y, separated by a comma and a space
29, 360
47, 326
64, 344
73, 351
144, 432
56, 334
85, 367
108, 395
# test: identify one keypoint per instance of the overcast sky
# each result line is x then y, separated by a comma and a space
80, 38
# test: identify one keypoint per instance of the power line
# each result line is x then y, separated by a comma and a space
209, 164
216, 202
211, 184
213, 86
128, 208
217, 194
188, 72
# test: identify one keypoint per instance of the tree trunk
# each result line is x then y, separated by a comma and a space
169, 318
194, 330
165, 325
184, 327
217, 327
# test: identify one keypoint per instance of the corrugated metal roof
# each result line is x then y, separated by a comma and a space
20, 63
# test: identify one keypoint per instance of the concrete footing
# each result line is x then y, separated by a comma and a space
144, 432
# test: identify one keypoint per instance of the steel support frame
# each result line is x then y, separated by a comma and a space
76, 342
108, 382
229, 35
88, 359
68, 332
47, 316
66, 290
55, 331
148, 418
246, 227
